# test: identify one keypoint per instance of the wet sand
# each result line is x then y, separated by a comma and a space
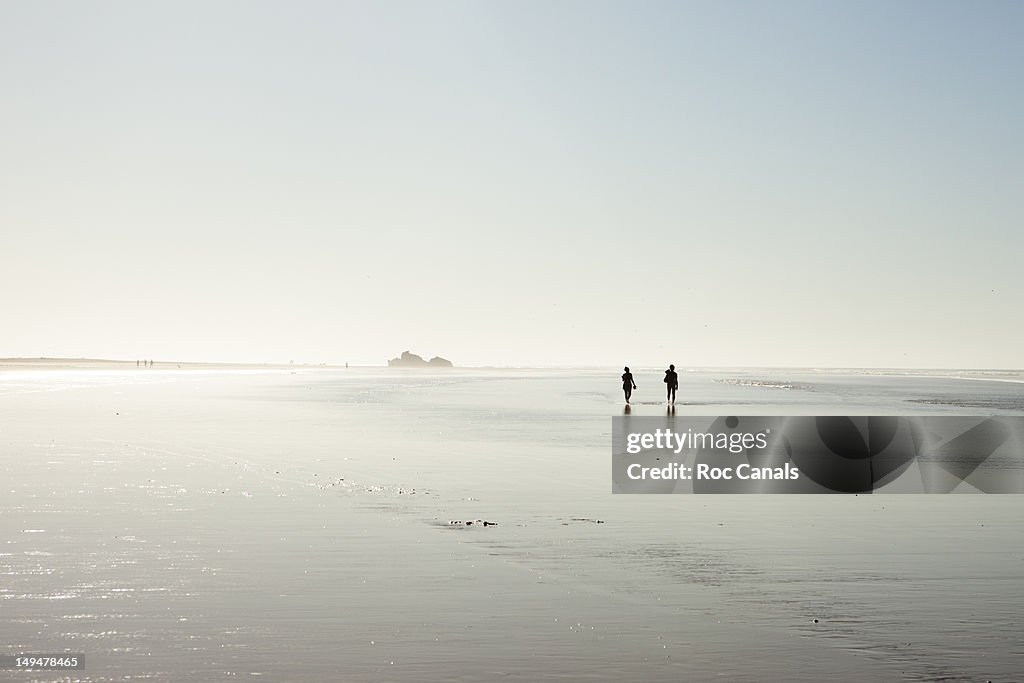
217, 525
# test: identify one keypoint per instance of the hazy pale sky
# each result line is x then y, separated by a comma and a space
515, 183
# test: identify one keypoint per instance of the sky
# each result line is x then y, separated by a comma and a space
514, 183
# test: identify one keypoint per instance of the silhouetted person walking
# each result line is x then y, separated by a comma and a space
671, 384
628, 385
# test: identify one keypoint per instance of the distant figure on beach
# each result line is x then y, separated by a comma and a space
628, 385
671, 384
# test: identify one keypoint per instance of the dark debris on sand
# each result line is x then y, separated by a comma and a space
471, 522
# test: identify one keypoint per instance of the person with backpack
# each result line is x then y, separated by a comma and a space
672, 383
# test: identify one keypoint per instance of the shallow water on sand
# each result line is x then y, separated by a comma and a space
295, 526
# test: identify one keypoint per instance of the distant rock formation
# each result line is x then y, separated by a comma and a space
411, 360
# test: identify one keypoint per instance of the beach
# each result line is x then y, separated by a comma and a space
273, 523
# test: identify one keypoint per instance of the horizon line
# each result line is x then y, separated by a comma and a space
342, 366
